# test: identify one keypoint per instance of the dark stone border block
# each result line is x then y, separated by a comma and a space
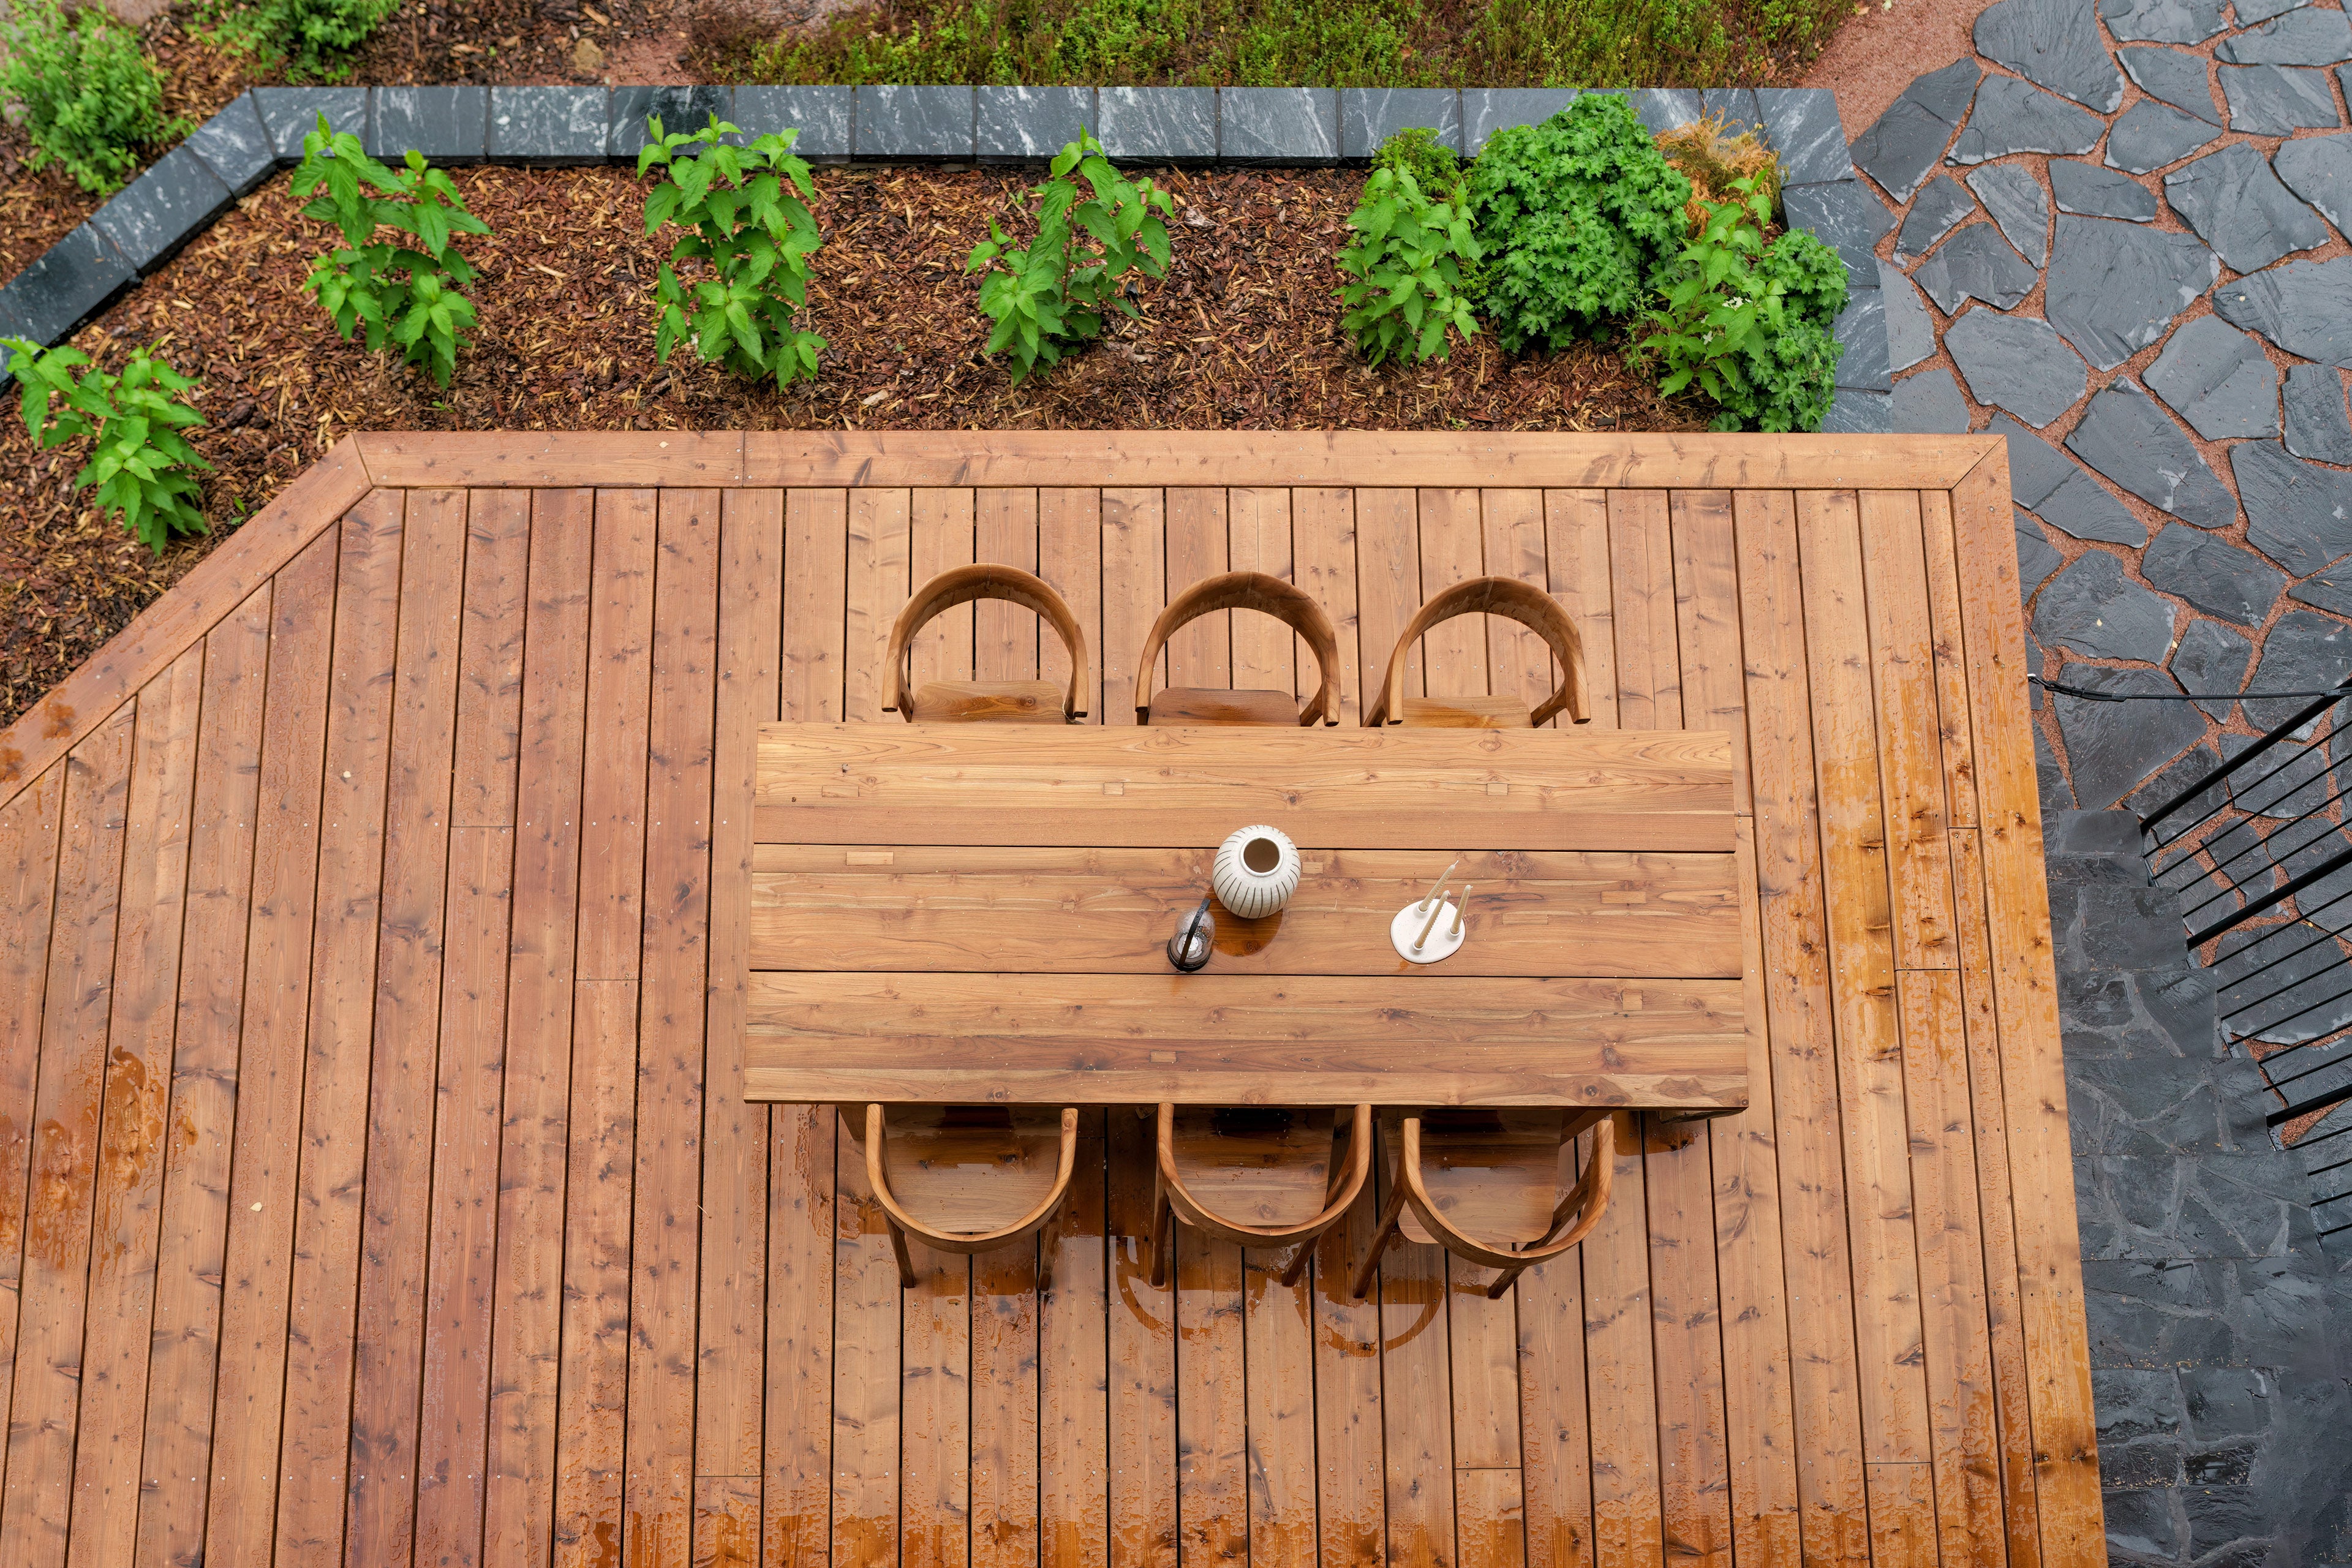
290, 113
235, 146
175, 200
932, 124
1158, 125
73, 280
679, 109
1371, 115
1029, 124
447, 124
1278, 125
1486, 110
549, 127
823, 116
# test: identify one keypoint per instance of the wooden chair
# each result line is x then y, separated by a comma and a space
1507, 596
1504, 1174
996, 702
1290, 1176
1204, 705
989, 1175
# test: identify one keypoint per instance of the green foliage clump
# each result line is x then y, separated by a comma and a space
1748, 320
144, 469
82, 87
1416, 150
312, 34
1049, 297
1575, 216
747, 208
1408, 261
408, 294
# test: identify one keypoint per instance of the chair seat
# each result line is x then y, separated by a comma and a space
991, 701
1465, 712
970, 1169
1206, 706
1497, 1174
1256, 1165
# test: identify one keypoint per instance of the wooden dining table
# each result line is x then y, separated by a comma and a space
979, 913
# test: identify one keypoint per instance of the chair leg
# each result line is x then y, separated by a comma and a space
906, 1262
1164, 1234
1297, 1266
1503, 1282
1043, 1241
1389, 1212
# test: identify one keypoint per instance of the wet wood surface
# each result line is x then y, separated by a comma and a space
377, 1180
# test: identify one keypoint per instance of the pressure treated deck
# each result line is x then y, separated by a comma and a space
379, 1189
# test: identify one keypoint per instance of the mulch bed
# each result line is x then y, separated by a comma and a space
1242, 334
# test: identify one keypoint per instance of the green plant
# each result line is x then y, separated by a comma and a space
748, 210
1049, 297
1417, 152
145, 471
1575, 216
85, 92
1748, 320
1408, 260
311, 33
410, 295
1714, 158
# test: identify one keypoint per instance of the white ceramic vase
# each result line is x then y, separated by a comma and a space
1255, 872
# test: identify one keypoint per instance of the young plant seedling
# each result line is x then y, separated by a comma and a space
145, 470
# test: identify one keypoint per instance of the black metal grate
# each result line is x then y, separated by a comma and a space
2259, 851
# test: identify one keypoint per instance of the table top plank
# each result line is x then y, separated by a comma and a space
1061, 911
1086, 786
1124, 1039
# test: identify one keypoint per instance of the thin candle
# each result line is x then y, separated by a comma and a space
1433, 889
1461, 908
1431, 923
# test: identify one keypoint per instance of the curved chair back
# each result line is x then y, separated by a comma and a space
1509, 598
953, 701
1497, 1188
1287, 603
984, 1176
1278, 1176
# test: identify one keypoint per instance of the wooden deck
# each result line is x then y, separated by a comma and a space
380, 1188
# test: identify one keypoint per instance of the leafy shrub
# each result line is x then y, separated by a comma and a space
1418, 151
311, 33
86, 93
1407, 259
748, 209
1574, 216
410, 295
1049, 297
145, 471
1748, 321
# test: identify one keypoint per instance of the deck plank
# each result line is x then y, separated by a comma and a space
184, 1358
1789, 872
867, 1390
248, 1400
814, 558
877, 586
2017, 904
1416, 1397
1134, 585
797, 1493
593, 1370
1350, 1461
1887, 1309
1453, 550
1959, 742
525, 1344
1142, 1344
1751, 1364
1069, 558
1006, 1417
1576, 554
1278, 1417
329, 1220
1910, 757
666, 1226
755, 575
1201, 654
1004, 634
1519, 663
1555, 1417
397, 1214
29, 825
1073, 1371
1323, 542
1387, 588
68, 1107
939, 537
134, 1130
1212, 1502
1268, 655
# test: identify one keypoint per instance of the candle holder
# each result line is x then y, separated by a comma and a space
1433, 928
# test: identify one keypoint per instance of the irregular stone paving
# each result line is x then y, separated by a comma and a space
2117, 235
2220, 1350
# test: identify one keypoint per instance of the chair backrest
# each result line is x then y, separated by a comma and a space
988, 580
1285, 602
1496, 1173
971, 1168
1507, 596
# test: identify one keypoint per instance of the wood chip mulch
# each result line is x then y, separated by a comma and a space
1242, 334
